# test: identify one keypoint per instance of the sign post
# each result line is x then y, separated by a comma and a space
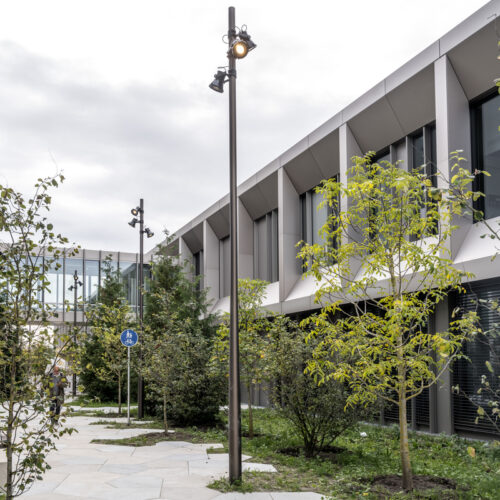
128, 338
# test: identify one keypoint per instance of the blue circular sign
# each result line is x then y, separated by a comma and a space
129, 338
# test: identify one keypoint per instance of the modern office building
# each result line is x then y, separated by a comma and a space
442, 100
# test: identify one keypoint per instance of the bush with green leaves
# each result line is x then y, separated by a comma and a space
318, 413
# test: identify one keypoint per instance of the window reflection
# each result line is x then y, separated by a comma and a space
128, 273
54, 295
91, 281
72, 265
266, 247
486, 120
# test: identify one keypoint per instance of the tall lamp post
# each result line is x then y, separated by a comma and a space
139, 212
74, 287
240, 44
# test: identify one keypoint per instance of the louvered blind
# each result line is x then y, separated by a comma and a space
484, 348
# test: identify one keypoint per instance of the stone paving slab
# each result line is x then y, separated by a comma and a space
171, 470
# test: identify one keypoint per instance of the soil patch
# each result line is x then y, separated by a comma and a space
149, 439
327, 452
393, 483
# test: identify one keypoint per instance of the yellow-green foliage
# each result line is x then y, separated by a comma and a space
380, 286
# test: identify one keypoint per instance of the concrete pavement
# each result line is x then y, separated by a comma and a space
173, 470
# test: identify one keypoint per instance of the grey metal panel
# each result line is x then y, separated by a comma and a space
326, 154
376, 127
452, 133
413, 102
296, 150
469, 26
211, 262
420, 62
324, 130
261, 198
220, 222
224, 267
127, 257
92, 254
245, 243
194, 238
304, 172
444, 399
475, 62
362, 103
185, 257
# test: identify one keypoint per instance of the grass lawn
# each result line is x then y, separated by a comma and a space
346, 472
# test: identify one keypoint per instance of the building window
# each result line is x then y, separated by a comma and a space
265, 260
224, 267
128, 275
198, 269
422, 159
54, 294
485, 120
70, 266
485, 347
91, 282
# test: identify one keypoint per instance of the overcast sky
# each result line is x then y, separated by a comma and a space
115, 95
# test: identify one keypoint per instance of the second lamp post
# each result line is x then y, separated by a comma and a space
74, 288
139, 212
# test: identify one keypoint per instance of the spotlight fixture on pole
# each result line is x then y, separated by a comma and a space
139, 212
74, 287
240, 44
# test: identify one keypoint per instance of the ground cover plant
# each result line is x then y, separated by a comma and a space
348, 470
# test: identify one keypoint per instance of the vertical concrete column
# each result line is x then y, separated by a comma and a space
211, 262
186, 258
245, 242
348, 147
289, 234
452, 133
444, 402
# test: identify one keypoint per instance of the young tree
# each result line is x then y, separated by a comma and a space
109, 292
392, 270
107, 320
254, 329
178, 345
27, 344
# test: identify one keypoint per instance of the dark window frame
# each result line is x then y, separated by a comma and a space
477, 146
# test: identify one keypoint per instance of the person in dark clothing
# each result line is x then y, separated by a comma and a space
57, 384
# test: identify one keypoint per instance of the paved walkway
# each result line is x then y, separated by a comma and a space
174, 470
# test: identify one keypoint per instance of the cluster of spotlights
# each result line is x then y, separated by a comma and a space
77, 282
136, 211
240, 47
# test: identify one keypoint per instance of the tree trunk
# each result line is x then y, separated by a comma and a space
9, 493
8, 452
119, 395
250, 414
165, 423
403, 443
